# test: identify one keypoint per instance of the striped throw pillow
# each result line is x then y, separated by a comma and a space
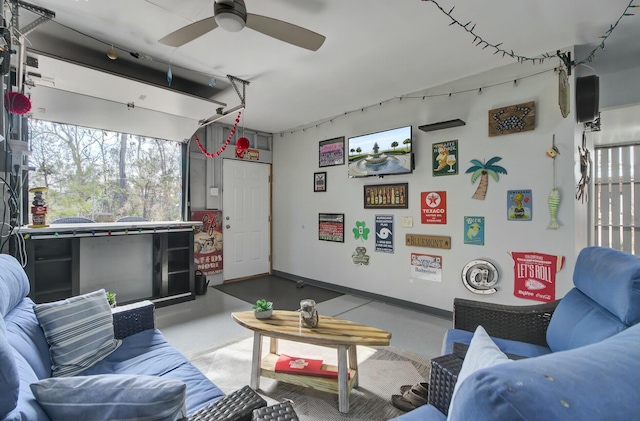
110, 397
79, 331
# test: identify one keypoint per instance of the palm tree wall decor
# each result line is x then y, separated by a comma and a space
483, 170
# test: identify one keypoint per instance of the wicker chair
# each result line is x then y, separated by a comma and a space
519, 323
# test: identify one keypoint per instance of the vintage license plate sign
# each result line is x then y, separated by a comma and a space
207, 241
384, 233
432, 241
433, 207
426, 266
535, 275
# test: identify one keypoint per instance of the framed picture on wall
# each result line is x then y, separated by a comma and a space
331, 227
320, 182
331, 152
386, 196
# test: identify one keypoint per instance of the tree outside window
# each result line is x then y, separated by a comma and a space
104, 175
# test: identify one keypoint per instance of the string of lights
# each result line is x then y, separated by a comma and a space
515, 82
478, 41
589, 58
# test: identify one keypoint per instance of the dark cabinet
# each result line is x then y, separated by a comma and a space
55, 263
173, 267
53, 268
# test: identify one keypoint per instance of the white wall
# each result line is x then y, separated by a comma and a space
297, 250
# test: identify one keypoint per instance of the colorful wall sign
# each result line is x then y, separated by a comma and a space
384, 233
445, 158
248, 154
535, 275
361, 231
426, 266
207, 241
519, 205
474, 230
432, 241
433, 207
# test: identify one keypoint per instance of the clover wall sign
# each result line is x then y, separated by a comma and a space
361, 231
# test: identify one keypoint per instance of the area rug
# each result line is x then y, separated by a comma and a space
382, 371
284, 293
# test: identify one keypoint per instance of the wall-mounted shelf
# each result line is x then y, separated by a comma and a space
442, 125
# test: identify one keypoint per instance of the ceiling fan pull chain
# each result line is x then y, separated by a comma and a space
224, 145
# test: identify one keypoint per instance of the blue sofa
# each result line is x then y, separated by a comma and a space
582, 353
24, 349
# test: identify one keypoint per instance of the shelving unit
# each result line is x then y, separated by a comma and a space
53, 269
54, 260
174, 267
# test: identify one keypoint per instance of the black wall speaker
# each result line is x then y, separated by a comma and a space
587, 98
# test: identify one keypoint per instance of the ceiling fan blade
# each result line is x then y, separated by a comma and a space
189, 33
284, 31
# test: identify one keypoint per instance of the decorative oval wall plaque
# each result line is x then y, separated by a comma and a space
480, 276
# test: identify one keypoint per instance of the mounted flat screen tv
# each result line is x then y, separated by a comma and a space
382, 153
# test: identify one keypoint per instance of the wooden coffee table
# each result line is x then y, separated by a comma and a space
330, 332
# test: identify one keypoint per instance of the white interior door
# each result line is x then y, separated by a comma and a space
246, 207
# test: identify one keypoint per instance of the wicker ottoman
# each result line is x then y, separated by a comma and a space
236, 406
279, 412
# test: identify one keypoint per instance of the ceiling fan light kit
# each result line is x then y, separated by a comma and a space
230, 17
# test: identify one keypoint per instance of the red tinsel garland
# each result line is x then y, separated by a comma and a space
224, 145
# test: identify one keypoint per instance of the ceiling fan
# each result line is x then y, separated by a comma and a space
232, 16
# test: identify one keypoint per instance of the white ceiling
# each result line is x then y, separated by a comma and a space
374, 50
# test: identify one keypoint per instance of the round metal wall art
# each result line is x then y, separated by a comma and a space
480, 277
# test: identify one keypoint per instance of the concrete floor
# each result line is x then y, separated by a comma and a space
206, 322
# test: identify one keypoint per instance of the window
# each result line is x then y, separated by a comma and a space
103, 175
617, 192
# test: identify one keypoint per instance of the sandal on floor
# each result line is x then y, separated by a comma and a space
421, 389
408, 401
